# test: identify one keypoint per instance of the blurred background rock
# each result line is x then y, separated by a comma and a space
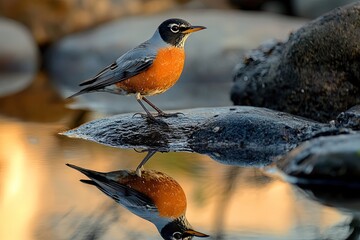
18, 57
70, 40
300, 8
50, 19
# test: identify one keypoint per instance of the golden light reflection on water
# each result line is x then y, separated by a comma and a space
20, 184
42, 199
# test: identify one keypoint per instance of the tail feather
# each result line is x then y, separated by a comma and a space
122, 194
80, 169
82, 91
88, 81
87, 181
89, 173
74, 95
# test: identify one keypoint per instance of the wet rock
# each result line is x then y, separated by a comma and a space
349, 118
333, 160
315, 74
18, 57
245, 136
49, 20
210, 56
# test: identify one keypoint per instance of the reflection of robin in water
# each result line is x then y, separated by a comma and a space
154, 196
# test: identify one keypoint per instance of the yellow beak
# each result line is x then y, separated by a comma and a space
191, 232
194, 29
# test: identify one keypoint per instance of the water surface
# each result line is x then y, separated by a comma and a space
41, 198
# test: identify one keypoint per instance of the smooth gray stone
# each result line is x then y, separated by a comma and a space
210, 56
331, 160
244, 136
18, 57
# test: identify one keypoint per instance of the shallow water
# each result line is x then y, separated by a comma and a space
41, 198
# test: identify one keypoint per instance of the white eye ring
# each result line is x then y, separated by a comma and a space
174, 28
177, 235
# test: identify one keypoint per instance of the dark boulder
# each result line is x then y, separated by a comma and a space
315, 74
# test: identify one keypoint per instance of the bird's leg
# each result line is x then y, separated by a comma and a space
160, 112
147, 157
139, 98
148, 114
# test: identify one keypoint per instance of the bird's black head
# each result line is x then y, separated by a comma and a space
175, 31
180, 229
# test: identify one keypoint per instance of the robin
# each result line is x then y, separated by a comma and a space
149, 69
154, 196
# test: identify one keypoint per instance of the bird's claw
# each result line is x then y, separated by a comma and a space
140, 150
151, 118
143, 115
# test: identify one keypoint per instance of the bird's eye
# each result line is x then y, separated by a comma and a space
177, 235
174, 28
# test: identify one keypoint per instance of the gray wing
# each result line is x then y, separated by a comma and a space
119, 192
124, 195
130, 64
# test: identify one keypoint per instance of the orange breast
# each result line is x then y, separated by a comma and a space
162, 75
165, 192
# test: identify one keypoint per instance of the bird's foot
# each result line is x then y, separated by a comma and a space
151, 118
